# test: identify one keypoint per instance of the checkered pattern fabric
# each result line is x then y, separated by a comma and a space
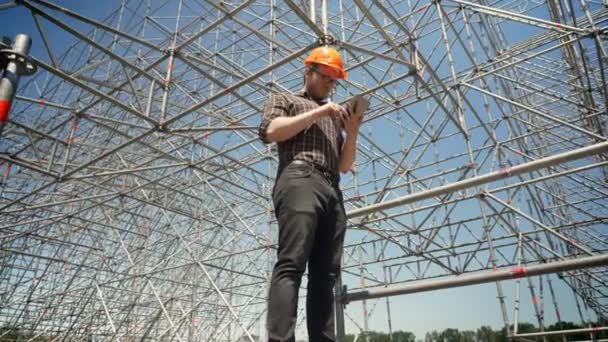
320, 143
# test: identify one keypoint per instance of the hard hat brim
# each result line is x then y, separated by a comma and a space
329, 70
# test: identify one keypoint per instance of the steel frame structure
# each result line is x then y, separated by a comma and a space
135, 200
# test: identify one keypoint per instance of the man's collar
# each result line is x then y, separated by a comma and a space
303, 93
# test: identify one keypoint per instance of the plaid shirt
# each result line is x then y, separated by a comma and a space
320, 143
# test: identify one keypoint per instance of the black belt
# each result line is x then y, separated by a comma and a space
331, 176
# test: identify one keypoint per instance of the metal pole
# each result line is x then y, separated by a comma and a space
521, 18
563, 332
339, 309
486, 277
362, 278
520, 253
324, 15
17, 65
487, 178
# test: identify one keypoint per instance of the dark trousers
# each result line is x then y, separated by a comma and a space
310, 213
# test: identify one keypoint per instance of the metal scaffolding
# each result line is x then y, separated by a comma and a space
135, 194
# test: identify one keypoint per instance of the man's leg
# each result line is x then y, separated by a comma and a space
297, 207
323, 269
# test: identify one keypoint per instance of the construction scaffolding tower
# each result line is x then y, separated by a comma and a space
135, 197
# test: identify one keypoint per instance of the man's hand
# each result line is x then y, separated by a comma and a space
286, 127
351, 120
333, 110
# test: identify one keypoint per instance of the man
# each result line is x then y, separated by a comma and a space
308, 202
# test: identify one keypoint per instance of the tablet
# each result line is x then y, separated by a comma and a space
358, 104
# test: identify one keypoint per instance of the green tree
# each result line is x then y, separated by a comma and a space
486, 334
467, 336
403, 336
525, 327
373, 336
450, 335
9, 334
244, 338
432, 336
349, 338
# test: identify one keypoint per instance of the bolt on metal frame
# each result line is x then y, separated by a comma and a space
135, 197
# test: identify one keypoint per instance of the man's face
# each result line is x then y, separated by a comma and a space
321, 81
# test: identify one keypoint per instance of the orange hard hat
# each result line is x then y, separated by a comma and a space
329, 57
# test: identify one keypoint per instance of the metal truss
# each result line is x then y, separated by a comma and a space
135, 200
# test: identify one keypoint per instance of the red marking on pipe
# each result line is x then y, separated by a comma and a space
42, 102
422, 8
227, 91
506, 172
170, 66
596, 329
206, 135
535, 300
74, 125
124, 184
518, 152
558, 315
519, 272
559, 26
5, 107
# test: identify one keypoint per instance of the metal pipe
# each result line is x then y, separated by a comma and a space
15, 67
237, 85
324, 15
537, 112
521, 18
563, 332
487, 178
339, 309
485, 277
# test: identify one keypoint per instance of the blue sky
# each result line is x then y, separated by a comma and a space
463, 308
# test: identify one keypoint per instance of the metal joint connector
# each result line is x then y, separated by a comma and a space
328, 40
25, 67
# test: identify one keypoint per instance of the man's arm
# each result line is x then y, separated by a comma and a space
351, 125
286, 127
